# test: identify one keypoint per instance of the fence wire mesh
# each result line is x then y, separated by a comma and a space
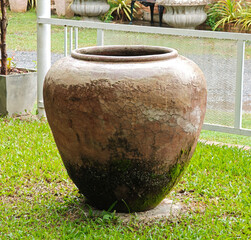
247, 79
216, 58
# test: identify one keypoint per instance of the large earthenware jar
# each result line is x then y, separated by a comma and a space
126, 120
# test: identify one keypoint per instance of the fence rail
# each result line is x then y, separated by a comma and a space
144, 29
241, 38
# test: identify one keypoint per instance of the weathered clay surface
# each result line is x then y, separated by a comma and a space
125, 130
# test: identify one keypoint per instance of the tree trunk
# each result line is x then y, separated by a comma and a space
3, 38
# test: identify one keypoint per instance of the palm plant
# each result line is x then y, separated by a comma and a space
224, 11
121, 9
230, 11
245, 19
32, 4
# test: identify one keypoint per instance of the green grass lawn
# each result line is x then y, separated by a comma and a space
23, 37
21, 31
184, 45
39, 201
225, 137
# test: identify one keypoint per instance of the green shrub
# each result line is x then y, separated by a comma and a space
32, 4
119, 10
226, 12
245, 19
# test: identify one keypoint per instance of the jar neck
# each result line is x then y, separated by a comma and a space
131, 53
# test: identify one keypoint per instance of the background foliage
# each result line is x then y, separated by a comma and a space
225, 12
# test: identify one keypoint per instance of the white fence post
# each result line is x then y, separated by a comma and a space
43, 51
71, 39
239, 83
65, 41
100, 37
76, 37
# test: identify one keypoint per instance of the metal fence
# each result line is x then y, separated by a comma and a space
220, 55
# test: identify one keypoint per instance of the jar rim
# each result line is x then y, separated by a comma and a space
124, 53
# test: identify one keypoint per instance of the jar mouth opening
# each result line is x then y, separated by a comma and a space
120, 53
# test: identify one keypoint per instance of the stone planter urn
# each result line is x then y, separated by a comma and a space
18, 5
90, 9
126, 120
184, 13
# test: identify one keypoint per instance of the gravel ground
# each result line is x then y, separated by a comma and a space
220, 73
29, 59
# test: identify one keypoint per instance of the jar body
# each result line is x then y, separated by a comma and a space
125, 130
